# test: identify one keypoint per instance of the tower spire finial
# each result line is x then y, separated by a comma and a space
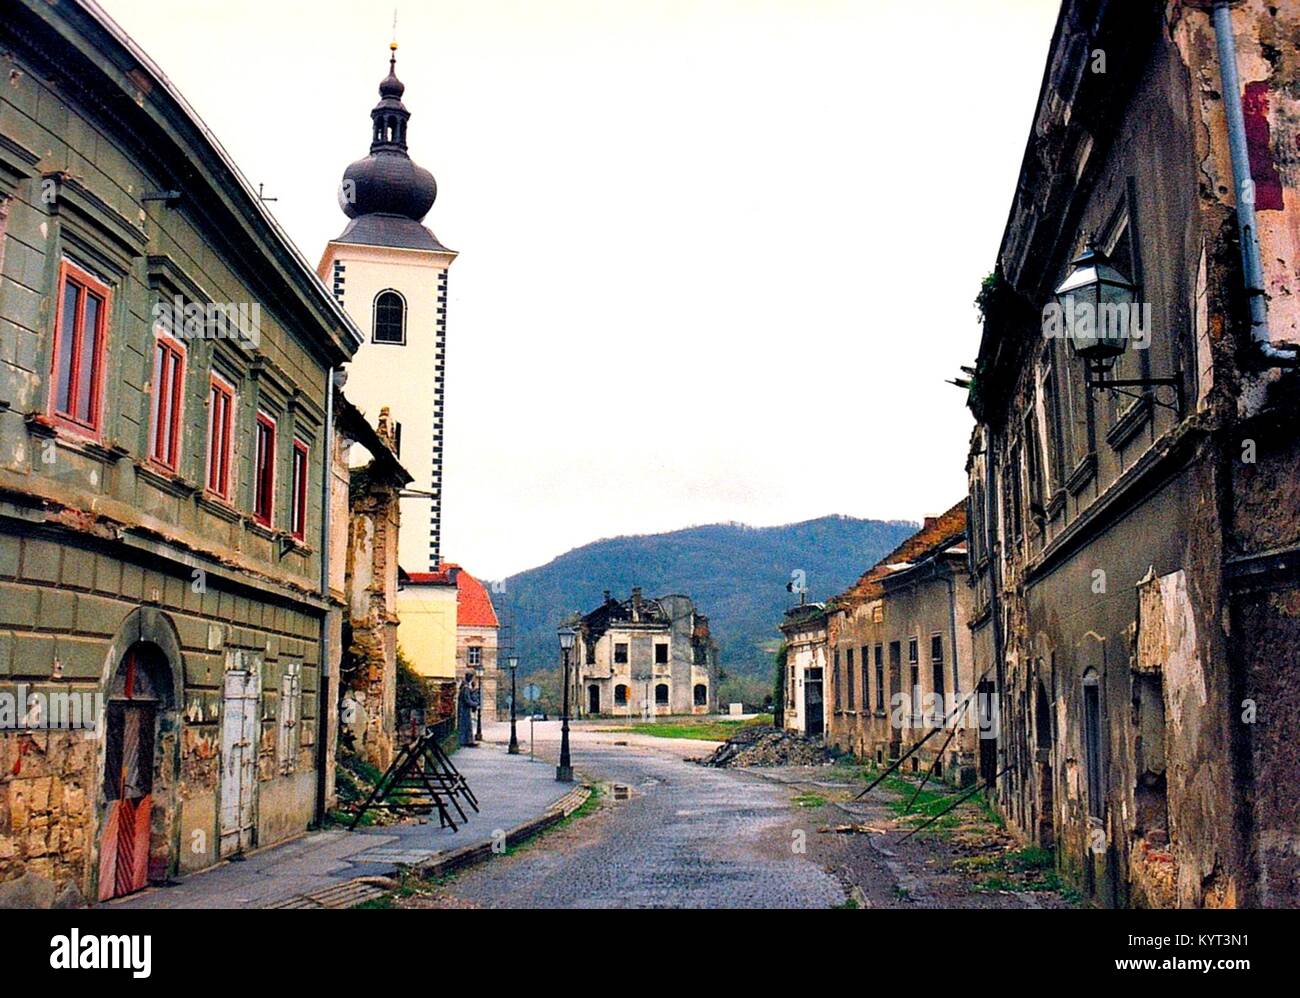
392, 46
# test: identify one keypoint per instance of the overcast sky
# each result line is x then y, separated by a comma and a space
717, 256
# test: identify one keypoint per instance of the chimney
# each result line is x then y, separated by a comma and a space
606, 595
636, 602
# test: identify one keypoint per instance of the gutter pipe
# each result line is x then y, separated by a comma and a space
1247, 224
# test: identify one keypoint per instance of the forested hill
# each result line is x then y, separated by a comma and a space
735, 573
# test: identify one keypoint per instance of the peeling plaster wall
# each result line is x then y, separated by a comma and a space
1166, 508
63, 609
94, 537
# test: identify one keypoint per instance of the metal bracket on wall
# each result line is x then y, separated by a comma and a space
1098, 381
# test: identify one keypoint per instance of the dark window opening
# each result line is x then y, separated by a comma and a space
1092, 745
880, 678
620, 695
914, 674
701, 695
264, 470
661, 695
620, 653
390, 318
79, 334
298, 514
168, 398
661, 654
936, 669
221, 403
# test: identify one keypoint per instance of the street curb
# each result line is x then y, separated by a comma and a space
467, 856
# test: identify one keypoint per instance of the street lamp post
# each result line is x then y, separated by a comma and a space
514, 738
478, 721
564, 771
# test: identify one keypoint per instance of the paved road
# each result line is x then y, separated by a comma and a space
689, 837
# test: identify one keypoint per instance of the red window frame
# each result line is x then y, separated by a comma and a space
298, 515
221, 418
69, 343
167, 406
264, 469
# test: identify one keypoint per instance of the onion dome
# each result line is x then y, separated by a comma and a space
387, 182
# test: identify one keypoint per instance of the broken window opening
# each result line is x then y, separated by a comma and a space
1092, 743
1151, 790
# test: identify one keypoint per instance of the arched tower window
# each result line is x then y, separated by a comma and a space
390, 318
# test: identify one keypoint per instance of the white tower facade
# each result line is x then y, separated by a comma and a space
390, 273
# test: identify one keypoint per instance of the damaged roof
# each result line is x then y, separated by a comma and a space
938, 533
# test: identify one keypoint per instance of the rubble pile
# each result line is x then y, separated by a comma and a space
764, 745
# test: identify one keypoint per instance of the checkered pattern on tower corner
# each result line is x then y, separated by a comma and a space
439, 380
338, 281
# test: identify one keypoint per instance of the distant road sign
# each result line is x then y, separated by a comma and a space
532, 692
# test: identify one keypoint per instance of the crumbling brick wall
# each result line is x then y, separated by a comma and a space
371, 676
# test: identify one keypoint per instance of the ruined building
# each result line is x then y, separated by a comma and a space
1134, 549
166, 399
644, 657
368, 672
804, 710
899, 650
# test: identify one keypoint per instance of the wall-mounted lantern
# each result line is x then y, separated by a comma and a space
1099, 305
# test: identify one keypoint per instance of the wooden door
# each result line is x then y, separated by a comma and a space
238, 760
128, 782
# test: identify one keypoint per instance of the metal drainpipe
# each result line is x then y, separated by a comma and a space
322, 709
1247, 226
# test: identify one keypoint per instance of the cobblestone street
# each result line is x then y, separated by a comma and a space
694, 837
688, 837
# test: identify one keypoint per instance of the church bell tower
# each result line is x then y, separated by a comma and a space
390, 274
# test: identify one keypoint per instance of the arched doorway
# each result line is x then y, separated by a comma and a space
593, 699
661, 695
139, 694
701, 695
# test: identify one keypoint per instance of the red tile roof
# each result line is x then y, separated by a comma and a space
473, 604
429, 578
938, 531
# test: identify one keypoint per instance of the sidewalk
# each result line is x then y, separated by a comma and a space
319, 870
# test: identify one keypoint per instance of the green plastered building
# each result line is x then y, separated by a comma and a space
163, 483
